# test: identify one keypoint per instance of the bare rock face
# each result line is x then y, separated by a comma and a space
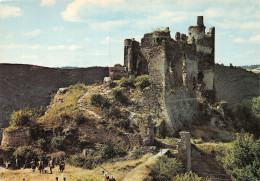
17, 137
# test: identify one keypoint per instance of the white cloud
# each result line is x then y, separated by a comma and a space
108, 40
73, 10
108, 25
250, 25
9, 11
33, 33
57, 28
86, 39
48, 2
252, 39
63, 47
255, 39
33, 57
250, 52
239, 40
101, 53
21, 46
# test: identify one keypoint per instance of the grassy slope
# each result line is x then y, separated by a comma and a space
117, 169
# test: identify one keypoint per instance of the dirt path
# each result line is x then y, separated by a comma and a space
141, 171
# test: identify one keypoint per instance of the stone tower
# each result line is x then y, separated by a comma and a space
181, 70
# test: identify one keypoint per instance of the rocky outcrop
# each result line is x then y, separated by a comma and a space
16, 137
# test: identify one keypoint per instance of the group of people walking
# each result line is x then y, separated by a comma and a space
107, 178
40, 165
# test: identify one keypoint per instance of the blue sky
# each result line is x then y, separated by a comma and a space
85, 33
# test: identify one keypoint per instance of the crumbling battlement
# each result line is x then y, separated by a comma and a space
182, 69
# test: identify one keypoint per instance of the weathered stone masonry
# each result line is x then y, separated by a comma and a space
181, 69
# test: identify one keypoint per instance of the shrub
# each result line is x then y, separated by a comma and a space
122, 123
79, 117
165, 168
245, 117
243, 162
57, 142
99, 101
127, 81
25, 117
142, 81
189, 177
96, 100
82, 161
25, 154
111, 150
118, 95
113, 112
41, 143
256, 106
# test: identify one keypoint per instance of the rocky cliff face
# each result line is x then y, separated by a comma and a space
22, 85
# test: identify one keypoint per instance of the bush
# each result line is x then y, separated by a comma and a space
41, 143
79, 118
25, 117
82, 161
113, 112
245, 117
57, 142
142, 81
118, 95
111, 150
165, 168
96, 100
243, 163
25, 154
99, 101
189, 177
127, 81
122, 123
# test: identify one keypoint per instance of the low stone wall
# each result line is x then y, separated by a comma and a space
15, 138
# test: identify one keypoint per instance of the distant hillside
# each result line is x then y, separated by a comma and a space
250, 67
235, 84
253, 68
22, 85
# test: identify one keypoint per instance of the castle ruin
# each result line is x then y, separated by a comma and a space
181, 69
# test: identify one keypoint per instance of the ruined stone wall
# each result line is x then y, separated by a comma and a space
22, 85
181, 71
15, 138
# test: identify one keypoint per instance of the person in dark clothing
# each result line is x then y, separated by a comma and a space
51, 165
40, 166
33, 165
62, 166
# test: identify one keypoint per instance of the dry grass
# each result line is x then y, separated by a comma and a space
63, 104
117, 169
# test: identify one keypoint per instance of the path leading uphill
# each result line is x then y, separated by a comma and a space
141, 171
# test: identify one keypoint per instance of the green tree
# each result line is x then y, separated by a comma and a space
256, 106
243, 163
245, 117
25, 154
57, 142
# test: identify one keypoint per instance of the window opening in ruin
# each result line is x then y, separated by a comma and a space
200, 77
194, 83
184, 71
